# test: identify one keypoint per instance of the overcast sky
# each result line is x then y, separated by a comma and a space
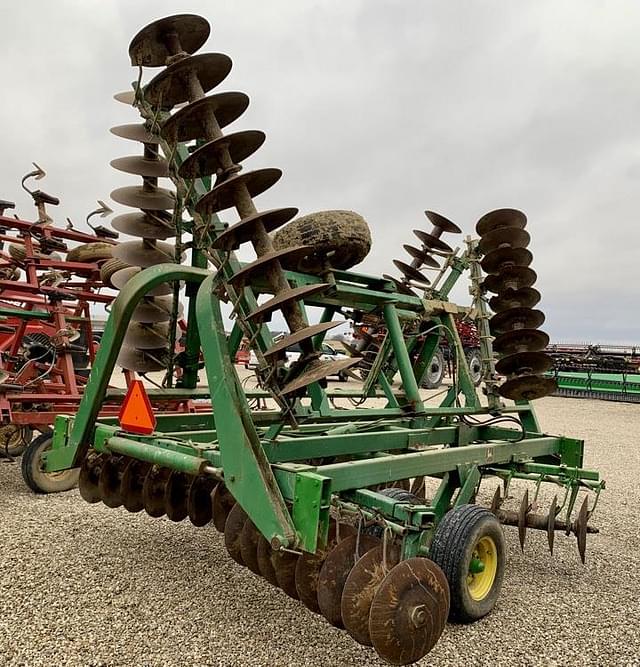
386, 108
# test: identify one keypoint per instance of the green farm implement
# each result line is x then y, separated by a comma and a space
359, 503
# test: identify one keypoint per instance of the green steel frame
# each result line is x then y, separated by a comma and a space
265, 461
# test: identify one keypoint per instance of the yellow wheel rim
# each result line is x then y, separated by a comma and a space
482, 568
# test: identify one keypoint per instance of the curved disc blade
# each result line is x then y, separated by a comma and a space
158, 199
89, 476
249, 546
431, 241
125, 97
199, 505
135, 132
152, 45
527, 387
155, 309
527, 297
422, 256
120, 278
142, 361
191, 122
263, 555
233, 532
503, 238
520, 340
284, 565
145, 224
222, 502
171, 85
360, 589
522, 519
131, 487
223, 196
264, 312
334, 573
551, 523
153, 489
145, 253
500, 218
207, 160
147, 336
525, 363
142, 166
516, 318
513, 277
245, 230
502, 258
175, 495
109, 483
409, 611
439, 221
580, 529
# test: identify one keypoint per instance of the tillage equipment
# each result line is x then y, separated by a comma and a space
362, 507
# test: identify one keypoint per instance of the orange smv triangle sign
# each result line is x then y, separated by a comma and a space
136, 414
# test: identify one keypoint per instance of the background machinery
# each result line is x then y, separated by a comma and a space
312, 493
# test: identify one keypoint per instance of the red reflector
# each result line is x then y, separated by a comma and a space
136, 414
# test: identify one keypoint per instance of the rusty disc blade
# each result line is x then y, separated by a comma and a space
500, 218
199, 501
153, 489
192, 121
317, 370
496, 501
410, 273
249, 546
262, 264
155, 309
580, 529
175, 495
131, 487
171, 86
245, 229
222, 502
516, 318
443, 223
508, 237
89, 476
264, 312
298, 336
263, 555
431, 241
334, 573
109, 483
135, 132
158, 199
309, 565
207, 160
142, 166
551, 523
284, 565
521, 340
422, 256
233, 532
525, 363
145, 224
513, 277
125, 97
409, 611
147, 336
527, 297
223, 196
527, 387
142, 361
360, 589
501, 258
120, 278
146, 253
159, 40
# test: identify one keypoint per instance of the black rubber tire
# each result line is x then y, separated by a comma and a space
38, 480
402, 495
342, 238
453, 543
110, 267
435, 373
474, 362
90, 252
18, 440
19, 253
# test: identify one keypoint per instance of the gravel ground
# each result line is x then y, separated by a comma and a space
86, 585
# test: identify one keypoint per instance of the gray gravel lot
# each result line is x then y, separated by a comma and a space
85, 585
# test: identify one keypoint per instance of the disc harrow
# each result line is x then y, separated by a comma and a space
312, 494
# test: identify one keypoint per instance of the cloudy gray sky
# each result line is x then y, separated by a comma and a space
384, 107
